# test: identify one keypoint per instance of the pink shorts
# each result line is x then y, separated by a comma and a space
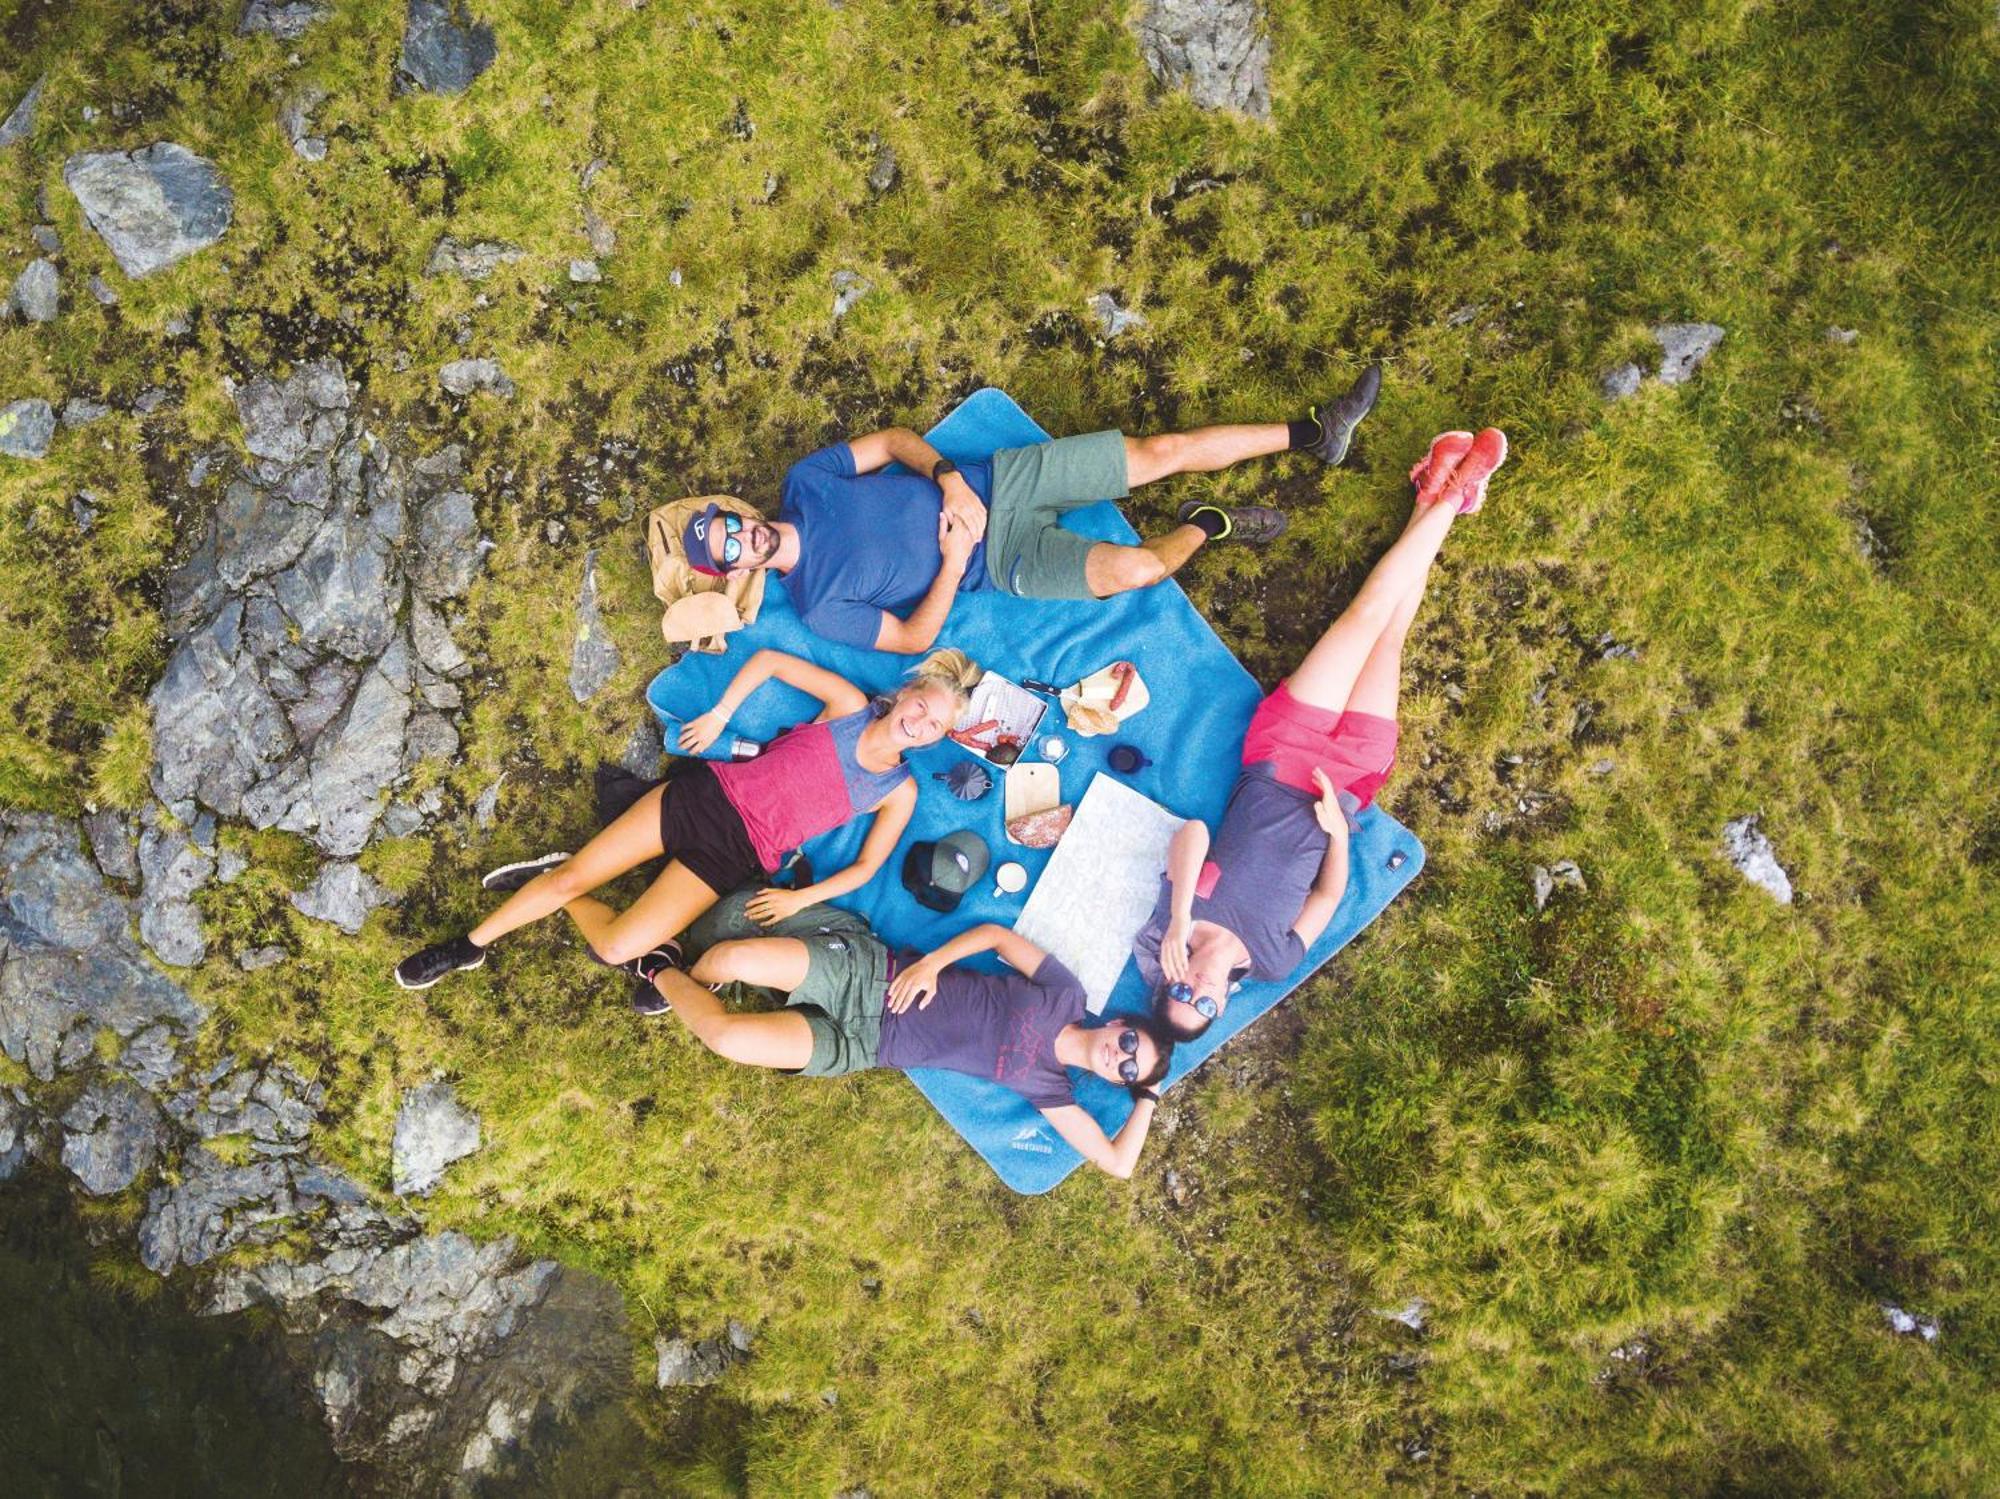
1356, 750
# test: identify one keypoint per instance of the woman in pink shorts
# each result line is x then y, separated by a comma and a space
1251, 900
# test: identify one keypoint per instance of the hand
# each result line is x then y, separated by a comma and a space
962, 504
1174, 949
916, 983
770, 906
954, 540
1327, 810
697, 734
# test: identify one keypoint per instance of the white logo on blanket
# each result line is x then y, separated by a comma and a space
1030, 1137
1100, 884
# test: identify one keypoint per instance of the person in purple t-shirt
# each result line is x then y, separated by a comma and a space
873, 558
1250, 902
852, 1004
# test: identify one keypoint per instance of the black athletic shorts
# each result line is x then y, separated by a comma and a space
701, 829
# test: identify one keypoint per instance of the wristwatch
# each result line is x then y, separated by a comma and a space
942, 467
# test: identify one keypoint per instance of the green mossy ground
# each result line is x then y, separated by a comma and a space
1663, 1109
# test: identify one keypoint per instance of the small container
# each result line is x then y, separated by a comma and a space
1053, 748
1010, 879
742, 749
1128, 759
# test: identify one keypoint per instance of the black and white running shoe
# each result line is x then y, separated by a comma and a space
514, 876
422, 969
646, 997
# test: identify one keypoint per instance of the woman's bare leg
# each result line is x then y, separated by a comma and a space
775, 1038
631, 839
1332, 668
668, 908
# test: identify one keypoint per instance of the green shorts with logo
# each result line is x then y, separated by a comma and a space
1028, 552
846, 982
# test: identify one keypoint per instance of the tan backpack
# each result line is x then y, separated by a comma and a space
700, 610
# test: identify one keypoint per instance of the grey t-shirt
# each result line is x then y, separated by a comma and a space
992, 1025
1261, 866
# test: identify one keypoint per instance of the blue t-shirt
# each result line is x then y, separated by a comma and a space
867, 542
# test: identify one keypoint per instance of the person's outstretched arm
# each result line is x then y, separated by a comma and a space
917, 984
1331, 884
1185, 856
890, 819
837, 695
1117, 1154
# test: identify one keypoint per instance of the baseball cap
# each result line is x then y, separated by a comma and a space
694, 541
938, 874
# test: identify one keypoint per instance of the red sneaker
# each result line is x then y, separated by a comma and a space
1433, 470
1468, 480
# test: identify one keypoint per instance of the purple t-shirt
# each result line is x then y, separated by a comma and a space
992, 1025
867, 542
1261, 866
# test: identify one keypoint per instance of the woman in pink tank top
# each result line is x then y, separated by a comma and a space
722, 826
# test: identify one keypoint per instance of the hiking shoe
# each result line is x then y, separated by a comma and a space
422, 969
1468, 481
650, 965
1338, 418
648, 1001
1253, 525
1434, 470
514, 876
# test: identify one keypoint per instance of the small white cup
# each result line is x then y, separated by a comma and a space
1010, 879
1054, 747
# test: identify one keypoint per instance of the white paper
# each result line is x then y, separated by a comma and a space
1100, 884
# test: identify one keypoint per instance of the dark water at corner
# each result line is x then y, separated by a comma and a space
105, 1394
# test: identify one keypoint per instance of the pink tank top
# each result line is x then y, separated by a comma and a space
807, 782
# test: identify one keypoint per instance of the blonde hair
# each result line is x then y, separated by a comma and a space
950, 669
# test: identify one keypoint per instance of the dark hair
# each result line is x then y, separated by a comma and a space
1161, 1036
1163, 1011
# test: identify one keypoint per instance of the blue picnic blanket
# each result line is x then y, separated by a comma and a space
1192, 730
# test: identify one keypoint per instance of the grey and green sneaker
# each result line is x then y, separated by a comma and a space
1253, 525
1338, 418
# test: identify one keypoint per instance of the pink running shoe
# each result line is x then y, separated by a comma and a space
1434, 469
1468, 480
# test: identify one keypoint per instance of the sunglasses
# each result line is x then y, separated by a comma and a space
1128, 1042
1204, 1006
732, 546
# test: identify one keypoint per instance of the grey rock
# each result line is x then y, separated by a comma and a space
213, 1208
79, 412
217, 731
37, 294
287, 20
1215, 49
112, 844
644, 748
258, 531
287, 420
585, 271
448, 547
48, 239
344, 591
173, 869
431, 737
882, 176
444, 47
1562, 872
1906, 1324
342, 896
257, 958
295, 119
99, 289
152, 1059
487, 804
50, 891
26, 428
593, 659
1111, 318
83, 510
849, 287
1684, 347
431, 637
1746, 846
682, 1362
432, 1131
1621, 382
1842, 335
603, 238
462, 377
110, 1135
355, 759
328, 690
1411, 1315
20, 121
19, 1132
154, 206
152, 398
400, 819
474, 262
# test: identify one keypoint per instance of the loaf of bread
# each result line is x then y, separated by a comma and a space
1041, 829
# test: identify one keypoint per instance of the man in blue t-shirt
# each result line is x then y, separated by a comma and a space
851, 1004
874, 558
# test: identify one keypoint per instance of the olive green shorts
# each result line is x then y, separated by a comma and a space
1028, 552
846, 982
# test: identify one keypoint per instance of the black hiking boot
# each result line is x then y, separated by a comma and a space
514, 876
422, 969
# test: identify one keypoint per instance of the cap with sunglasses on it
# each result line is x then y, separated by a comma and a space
695, 540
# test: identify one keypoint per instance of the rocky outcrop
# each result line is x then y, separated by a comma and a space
287, 20
464, 377
593, 658
37, 295
1746, 846
1684, 348
1215, 49
342, 896
433, 1357
432, 1131
27, 428
311, 654
473, 262
20, 121
153, 206
444, 47
1112, 319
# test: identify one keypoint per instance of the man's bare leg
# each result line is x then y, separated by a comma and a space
1111, 568
1201, 451
777, 1038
